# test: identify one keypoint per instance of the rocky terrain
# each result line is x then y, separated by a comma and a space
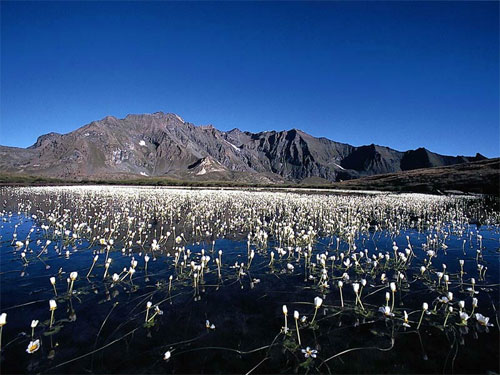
481, 177
164, 145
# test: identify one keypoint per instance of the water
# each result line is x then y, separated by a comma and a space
101, 326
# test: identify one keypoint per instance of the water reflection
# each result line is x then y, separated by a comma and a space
135, 274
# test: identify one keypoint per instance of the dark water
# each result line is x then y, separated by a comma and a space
100, 327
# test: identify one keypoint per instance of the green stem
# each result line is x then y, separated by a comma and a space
446, 319
314, 317
91, 268
152, 316
420, 321
298, 332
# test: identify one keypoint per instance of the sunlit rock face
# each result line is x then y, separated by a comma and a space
163, 144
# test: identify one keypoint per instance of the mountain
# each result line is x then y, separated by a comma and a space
163, 144
476, 177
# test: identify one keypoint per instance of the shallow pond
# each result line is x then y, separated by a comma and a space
153, 280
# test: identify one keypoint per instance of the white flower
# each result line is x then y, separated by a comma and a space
425, 306
406, 323
393, 286
34, 323
289, 267
3, 319
285, 310
317, 302
53, 280
115, 277
308, 352
483, 320
73, 275
386, 310
296, 314
33, 346
149, 304
464, 317
52, 304
167, 355
355, 287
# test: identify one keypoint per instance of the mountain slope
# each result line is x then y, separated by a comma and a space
163, 144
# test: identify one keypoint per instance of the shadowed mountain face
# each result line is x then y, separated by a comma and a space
163, 144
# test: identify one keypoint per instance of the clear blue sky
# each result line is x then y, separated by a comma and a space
401, 74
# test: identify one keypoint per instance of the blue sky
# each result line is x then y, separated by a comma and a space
400, 74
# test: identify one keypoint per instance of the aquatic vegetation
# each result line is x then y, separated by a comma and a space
384, 273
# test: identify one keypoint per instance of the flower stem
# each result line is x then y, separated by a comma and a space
446, 319
91, 268
420, 321
314, 316
298, 332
